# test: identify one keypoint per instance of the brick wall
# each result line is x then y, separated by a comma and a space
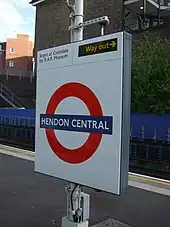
2, 57
52, 20
2, 61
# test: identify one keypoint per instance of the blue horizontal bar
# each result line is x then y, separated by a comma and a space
78, 123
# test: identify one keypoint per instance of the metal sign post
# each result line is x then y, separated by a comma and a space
75, 198
78, 203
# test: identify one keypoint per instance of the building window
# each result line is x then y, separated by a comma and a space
11, 64
0, 47
11, 50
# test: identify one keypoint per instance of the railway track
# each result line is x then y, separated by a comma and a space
134, 169
150, 172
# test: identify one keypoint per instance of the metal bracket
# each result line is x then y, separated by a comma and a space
77, 204
101, 20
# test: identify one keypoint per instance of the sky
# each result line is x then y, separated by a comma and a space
16, 16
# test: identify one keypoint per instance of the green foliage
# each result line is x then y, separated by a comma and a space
151, 74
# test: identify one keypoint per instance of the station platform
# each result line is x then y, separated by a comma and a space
30, 199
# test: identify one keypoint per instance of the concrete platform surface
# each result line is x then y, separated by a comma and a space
32, 200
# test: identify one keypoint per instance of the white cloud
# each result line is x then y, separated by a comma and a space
16, 16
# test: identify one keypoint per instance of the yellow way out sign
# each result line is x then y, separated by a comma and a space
98, 47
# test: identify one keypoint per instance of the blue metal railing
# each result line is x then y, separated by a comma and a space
149, 144
143, 126
17, 121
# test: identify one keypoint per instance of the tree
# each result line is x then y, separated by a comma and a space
151, 74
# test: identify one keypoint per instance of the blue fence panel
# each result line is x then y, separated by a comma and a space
162, 133
28, 113
17, 121
155, 126
149, 132
143, 125
18, 117
147, 119
136, 131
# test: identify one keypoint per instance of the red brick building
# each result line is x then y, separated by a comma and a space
19, 52
16, 56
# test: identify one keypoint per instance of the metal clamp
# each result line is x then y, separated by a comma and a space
101, 20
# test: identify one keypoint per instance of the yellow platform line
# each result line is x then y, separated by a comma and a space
17, 150
149, 179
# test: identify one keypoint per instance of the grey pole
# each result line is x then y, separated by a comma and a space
79, 10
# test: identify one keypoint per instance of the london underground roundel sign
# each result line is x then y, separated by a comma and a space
95, 123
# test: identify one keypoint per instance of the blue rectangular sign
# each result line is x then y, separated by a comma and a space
77, 123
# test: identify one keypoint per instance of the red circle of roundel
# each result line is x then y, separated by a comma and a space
83, 153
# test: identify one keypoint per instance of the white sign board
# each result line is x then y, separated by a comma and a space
83, 112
